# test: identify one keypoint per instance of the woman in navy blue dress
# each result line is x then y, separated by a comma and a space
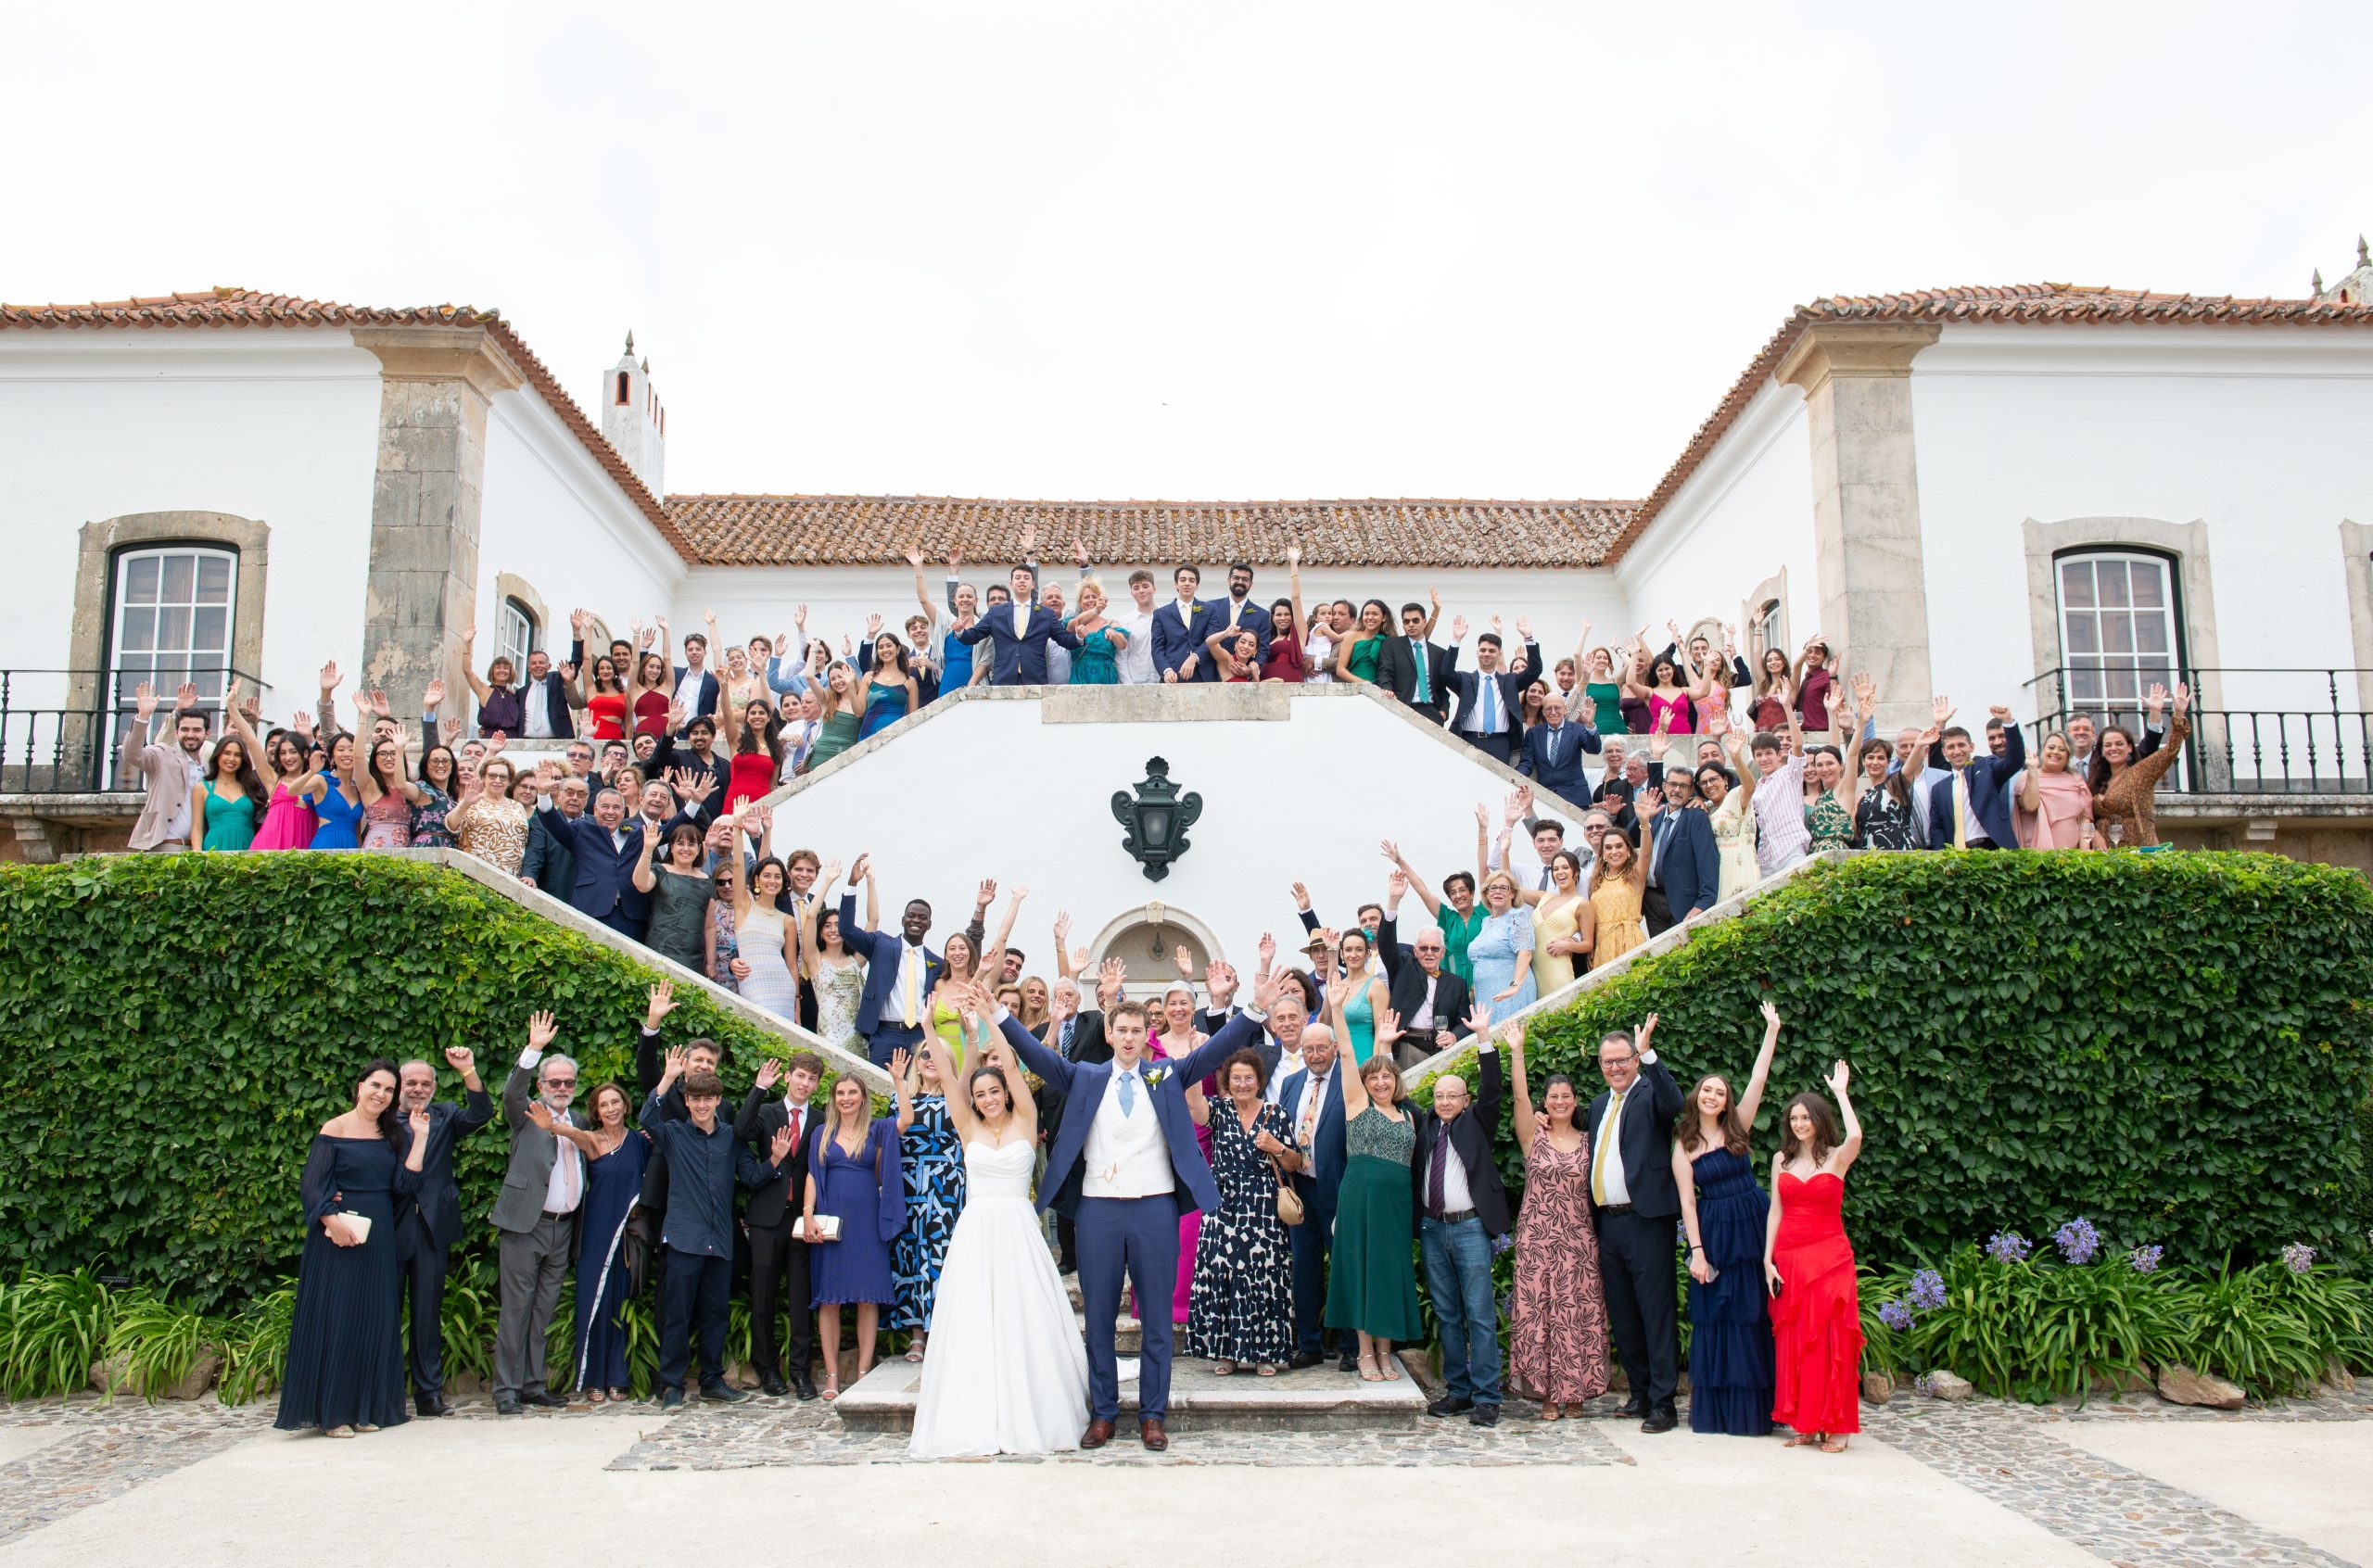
853, 1175
345, 1372
1724, 1212
933, 1160
614, 1157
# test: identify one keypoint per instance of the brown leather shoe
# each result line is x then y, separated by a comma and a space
1149, 1431
1099, 1433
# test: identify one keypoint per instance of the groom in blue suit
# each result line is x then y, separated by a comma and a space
1124, 1166
1018, 634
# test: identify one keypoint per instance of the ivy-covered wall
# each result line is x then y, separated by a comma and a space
2177, 1046
179, 1027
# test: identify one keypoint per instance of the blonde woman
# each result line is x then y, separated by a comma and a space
1564, 926
1101, 641
1618, 882
1500, 952
488, 823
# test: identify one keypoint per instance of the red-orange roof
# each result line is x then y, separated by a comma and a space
241, 308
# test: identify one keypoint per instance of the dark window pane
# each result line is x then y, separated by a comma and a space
2149, 585
140, 580
214, 579
2076, 584
173, 628
2110, 574
180, 579
2151, 634
2117, 634
2082, 636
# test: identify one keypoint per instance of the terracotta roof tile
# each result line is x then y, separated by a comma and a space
2020, 303
243, 307
878, 530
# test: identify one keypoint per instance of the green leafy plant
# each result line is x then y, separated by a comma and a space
159, 1340
473, 1307
56, 1328
2249, 1325
255, 1348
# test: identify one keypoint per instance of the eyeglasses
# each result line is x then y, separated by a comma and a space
560, 1083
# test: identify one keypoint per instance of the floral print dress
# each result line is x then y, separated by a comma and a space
1557, 1323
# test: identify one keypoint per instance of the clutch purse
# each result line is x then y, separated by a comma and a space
831, 1225
360, 1223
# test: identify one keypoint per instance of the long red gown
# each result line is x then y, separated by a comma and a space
1817, 1317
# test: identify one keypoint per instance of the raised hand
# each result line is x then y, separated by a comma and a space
987, 893
799, 617
2000, 712
769, 1073
1062, 927
1771, 1015
330, 677
1293, 556
144, 700
830, 874
662, 1003
862, 871
1111, 972
461, 1058
541, 1030
433, 694
1301, 897
1185, 961
1397, 883
2183, 698
1079, 549
1524, 627
1647, 1029
1268, 951
419, 1121
1028, 540
1388, 1028
900, 1062
1942, 707
1458, 628
537, 1114
872, 627
1866, 690
1838, 1077
680, 1061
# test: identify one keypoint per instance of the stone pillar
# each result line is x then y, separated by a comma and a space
435, 384
1857, 378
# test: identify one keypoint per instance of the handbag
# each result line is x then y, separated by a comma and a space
1290, 1205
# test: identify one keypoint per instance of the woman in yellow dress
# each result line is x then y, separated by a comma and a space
1564, 926
1616, 886
961, 963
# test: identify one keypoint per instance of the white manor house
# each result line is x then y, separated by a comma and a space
2045, 495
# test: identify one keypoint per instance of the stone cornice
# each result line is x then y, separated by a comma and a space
1853, 348
442, 353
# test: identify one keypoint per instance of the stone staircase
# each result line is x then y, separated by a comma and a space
1200, 1400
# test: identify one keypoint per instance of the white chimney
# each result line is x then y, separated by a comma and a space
633, 420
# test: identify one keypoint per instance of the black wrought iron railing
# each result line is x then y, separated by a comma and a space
2254, 730
61, 731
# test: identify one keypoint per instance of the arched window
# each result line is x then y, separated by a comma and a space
2118, 629
172, 621
516, 636
622, 389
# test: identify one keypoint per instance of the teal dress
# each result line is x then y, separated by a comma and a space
1096, 661
884, 705
1457, 932
230, 820
1606, 706
1359, 1016
1372, 1287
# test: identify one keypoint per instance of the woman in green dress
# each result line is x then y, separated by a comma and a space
1605, 693
1100, 640
842, 712
1357, 657
1372, 1289
679, 894
226, 806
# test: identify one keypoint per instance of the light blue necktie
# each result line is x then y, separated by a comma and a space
1489, 691
1128, 1087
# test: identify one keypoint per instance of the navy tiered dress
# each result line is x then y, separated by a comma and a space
1730, 1330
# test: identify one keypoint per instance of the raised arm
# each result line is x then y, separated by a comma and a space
1426, 900
1355, 1094
1752, 1100
1005, 929
1851, 1149
899, 1063
959, 1105
479, 688
1480, 1024
1684, 1179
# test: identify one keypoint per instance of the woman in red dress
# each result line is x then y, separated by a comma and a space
651, 693
754, 738
1808, 1268
605, 700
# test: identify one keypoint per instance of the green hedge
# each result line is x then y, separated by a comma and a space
2178, 1046
180, 1027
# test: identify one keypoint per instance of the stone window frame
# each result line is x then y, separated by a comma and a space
100, 542
1132, 920
1773, 590
2186, 546
2356, 567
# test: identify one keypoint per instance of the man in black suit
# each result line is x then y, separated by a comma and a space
550, 864
1685, 867
1415, 670
1462, 1211
1634, 1203
1553, 752
778, 1258
1429, 999
429, 1222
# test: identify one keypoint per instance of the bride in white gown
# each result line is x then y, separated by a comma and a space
1005, 1371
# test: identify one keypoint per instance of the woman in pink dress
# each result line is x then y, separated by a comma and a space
388, 797
2053, 808
1177, 1038
287, 821
1809, 1269
1557, 1323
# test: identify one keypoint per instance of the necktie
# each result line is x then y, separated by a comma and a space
1961, 809
1314, 1095
1550, 746
569, 1179
1021, 620
908, 967
1609, 1129
1488, 690
1066, 1046
1434, 1172
1417, 651
795, 1126
1235, 610
1545, 879
1128, 1087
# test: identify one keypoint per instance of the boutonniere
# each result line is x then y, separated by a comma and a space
1153, 1075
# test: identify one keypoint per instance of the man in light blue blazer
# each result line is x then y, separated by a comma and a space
1124, 1166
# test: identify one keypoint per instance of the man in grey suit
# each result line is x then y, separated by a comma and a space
536, 1219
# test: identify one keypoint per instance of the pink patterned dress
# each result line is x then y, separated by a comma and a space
1558, 1322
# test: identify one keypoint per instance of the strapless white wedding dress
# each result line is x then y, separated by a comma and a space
1005, 1372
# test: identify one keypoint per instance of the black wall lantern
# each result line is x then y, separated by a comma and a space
1157, 818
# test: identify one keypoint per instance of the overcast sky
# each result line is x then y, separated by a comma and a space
1197, 251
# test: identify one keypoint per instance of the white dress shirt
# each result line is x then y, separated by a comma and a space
1126, 1156
1605, 1137
564, 1188
1136, 662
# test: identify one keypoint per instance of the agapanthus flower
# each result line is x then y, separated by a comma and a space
2007, 1247
1928, 1290
1924, 1386
2146, 1258
2299, 1257
2077, 1241
1895, 1315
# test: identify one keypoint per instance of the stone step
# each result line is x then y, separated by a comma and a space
1200, 1400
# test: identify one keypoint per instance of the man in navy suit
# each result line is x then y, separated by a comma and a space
1971, 808
1685, 867
1179, 629
1634, 1201
1553, 752
1313, 1102
1018, 634
607, 846
1237, 612
1124, 1165
899, 972
429, 1222
1490, 696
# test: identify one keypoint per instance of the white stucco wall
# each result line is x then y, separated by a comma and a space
1743, 517
982, 788
278, 426
750, 600
553, 517
2262, 433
